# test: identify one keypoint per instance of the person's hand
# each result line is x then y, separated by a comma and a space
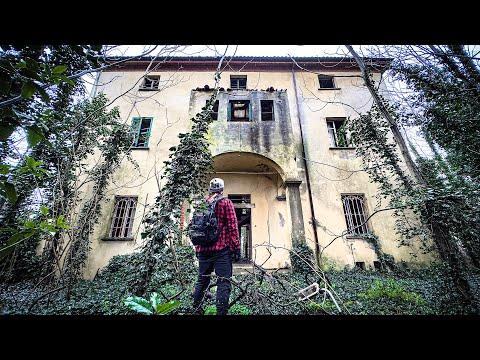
236, 255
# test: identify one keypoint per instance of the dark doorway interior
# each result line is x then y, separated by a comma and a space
243, 210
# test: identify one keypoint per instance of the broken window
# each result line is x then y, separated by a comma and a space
214, 113
326, 82
267, 110
239, 110
360, 265
355, 214
123, 216
150, 82
238, 82
141, 127
337, 133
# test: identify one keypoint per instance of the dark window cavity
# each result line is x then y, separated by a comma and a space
238, 82
239, 110
150, 82
326, 82
123, 216
267, 110
360, 265
355, 214
141, 127
377, 265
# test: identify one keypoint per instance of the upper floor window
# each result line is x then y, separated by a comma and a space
355, 214
150, 82
123, 216
239, 110
141, 127
337, 133
267, 110
214, 113
326, 82
238, 82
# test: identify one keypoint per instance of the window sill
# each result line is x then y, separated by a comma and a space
341, 148
140, 148
146, 89
329, 89
118, 239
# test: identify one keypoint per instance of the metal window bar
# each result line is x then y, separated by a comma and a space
123, 216
355, 214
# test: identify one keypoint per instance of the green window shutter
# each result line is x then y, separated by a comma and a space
229, 111
136, 122
250, 113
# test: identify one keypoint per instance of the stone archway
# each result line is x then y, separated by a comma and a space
263, 200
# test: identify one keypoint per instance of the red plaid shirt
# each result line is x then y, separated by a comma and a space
227, 222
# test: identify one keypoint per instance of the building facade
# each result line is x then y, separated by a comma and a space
278, 143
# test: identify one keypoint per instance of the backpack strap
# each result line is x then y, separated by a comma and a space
213, 204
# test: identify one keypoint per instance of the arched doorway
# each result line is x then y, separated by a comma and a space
254, 183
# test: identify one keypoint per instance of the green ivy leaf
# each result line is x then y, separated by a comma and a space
34, 135
9, 192
44, 210
59, 69
28, 89
4, 169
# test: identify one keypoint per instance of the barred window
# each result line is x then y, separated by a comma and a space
355, 214
123, 215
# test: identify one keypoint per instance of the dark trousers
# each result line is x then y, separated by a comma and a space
221, 262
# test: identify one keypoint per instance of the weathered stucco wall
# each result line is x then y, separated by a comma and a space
279, 141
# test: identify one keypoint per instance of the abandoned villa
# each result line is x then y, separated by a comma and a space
276, 140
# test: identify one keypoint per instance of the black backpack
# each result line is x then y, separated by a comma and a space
203, 228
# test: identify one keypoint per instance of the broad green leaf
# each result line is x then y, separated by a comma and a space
9, 191
34, 135
59, 69
139, 305
61, 223
43, 94
6, 130
162, 309
28, 89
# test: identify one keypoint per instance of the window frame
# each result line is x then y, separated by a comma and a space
262, 112
114, 228
136, 128
336, 120
154, 81
238, 78
230, 114
326, 77
363, 217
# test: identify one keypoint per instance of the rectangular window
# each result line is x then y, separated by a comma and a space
337, 133
214, 110
123, 216
355, 214
239, 110
141, 127
150, 82
267, 110
377, 265
243, 211
326, 82
238, 82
